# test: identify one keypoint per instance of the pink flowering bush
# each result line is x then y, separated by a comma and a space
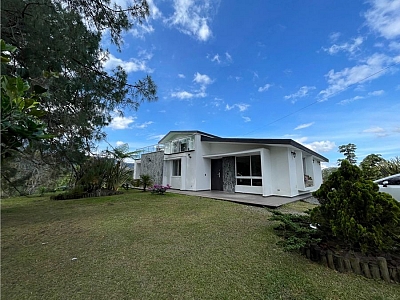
159, 189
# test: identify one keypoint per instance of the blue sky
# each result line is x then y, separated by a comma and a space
323, 73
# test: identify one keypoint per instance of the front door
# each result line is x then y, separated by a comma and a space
216, 175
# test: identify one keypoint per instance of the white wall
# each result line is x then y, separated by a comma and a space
280, 171
299, 171
317, 174
202, 165
266, 172
137, 169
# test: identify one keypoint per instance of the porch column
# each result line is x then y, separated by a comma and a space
266, 172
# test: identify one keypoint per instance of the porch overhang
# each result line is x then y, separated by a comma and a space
228, 154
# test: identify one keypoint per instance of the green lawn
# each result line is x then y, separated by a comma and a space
143, 246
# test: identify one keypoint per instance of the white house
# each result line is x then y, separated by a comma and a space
198, 161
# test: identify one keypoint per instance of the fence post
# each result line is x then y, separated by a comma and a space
384, 269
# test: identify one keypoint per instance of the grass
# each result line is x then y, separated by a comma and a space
143, 246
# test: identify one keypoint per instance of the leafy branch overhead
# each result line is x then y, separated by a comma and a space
63, 37
20, 111
102, 16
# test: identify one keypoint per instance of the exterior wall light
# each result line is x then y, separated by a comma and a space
294, 154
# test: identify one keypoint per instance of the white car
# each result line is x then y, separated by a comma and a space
390, 185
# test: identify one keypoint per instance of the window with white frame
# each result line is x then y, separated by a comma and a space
176, 167
248, 170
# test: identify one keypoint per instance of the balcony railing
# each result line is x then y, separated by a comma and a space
148, 149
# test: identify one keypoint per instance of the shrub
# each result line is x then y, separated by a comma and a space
145, 181
296, 230
159, 189
354, 212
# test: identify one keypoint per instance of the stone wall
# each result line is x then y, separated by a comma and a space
152, 164
229, 178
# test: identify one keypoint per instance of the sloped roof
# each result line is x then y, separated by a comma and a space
171, 134
285, 142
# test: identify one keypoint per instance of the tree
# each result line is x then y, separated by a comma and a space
355, 213
20, 123
327, 172
116, 19
121, 173
63, 37
370, 166
349, 152
390, 167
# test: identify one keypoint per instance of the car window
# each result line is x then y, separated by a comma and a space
394, 180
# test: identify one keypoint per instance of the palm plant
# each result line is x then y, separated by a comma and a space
121, 174
145, 181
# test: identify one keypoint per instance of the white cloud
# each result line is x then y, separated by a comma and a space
120, 122
346, 47
264, 88
156, 137
299, 140
395, 46
182, 95
155, 13
288, 72
140, 30
302, 126
217, 102
321, 146
334, 36
237, 78
144, 125
347, 101
374, 130
192, 19
133, 65
376, 93
120, 143
240, 106
220, 59
378, 131
370, 68
317, 146
384, 17
181, 76
202, 79
246, 119
302, 92
216, 58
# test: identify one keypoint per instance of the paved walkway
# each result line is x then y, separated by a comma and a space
270, 201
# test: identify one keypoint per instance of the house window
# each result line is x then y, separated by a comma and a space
243, 166
183, 145
179, 145
248, 170
176, 167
